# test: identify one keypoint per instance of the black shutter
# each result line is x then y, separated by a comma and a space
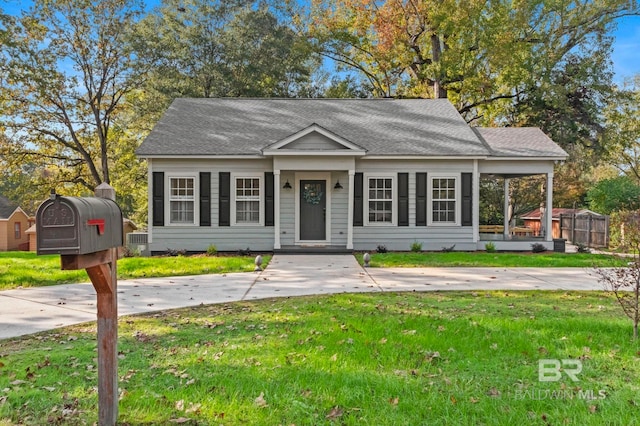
421, 199
158, 199
269, 202
205, 199
224, 207
358, 200
403, 199
467, 199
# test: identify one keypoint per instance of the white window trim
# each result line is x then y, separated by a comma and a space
167, 197
234, 178
394, 198
458, 199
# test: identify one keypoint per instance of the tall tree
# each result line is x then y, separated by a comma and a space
65, 71
202, 48
623, 129
482, 55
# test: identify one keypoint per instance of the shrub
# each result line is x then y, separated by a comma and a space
381, 248
176, 252
416, 246
212, 250
582, 248
130, 252
490, 247
538, 248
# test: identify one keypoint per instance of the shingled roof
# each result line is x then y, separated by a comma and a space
519, 142
384, 127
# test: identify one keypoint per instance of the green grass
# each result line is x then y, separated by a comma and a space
350, 359
479, 259
28, 270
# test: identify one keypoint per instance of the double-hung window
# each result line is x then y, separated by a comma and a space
17, 231
182, 200
247, 200
380, 199
444, 200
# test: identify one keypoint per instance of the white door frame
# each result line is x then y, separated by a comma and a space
326, 176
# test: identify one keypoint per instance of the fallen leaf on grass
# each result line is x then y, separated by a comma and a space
474, 400
453, 399
180, 405
260, 401
593, 408
334, 357
334, 413
394, 401
493, 392
180, 420
193, 408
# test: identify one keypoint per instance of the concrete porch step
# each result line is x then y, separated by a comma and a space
313, 250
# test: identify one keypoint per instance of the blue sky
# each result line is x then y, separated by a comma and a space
625, 56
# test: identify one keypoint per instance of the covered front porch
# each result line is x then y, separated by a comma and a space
509, 235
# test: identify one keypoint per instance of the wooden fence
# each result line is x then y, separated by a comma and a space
590, 230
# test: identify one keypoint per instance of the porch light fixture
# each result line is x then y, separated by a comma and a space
287, 185
337, 186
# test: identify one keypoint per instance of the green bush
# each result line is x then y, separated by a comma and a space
490, 247
538, 248
212, 250
416, 246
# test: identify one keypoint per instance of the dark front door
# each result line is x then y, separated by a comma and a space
313, 210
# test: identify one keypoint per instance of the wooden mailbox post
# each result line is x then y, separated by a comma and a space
87, 232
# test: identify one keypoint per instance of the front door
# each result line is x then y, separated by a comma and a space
313, 210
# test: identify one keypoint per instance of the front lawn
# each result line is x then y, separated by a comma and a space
501, 259
28, 270
349, 359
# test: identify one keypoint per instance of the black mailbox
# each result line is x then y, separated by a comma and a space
78, 225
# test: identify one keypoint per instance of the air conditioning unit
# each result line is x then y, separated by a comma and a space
138, 242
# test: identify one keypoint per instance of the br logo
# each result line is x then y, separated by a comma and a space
550, 370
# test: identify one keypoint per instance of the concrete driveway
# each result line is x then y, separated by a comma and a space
30, 310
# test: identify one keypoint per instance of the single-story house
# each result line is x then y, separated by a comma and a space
329, 174
14, 223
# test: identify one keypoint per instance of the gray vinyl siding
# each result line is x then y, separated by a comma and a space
339, 208
399, 238
225, 238
261, 238
314, 141
287, 209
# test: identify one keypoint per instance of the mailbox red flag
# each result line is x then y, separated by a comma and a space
97, 222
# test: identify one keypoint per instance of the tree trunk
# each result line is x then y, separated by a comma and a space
436, 51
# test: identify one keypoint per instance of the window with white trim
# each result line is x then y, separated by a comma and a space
444, 200
17, 230
182, 200
247, 200
380, 200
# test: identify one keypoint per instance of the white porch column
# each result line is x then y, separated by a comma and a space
549, 209
276, 209
352, 174
476, 202
507, 201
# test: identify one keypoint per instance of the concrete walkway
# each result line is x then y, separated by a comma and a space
30, 310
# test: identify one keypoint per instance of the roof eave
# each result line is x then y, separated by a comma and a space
526, 158
203, 156
329, 153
